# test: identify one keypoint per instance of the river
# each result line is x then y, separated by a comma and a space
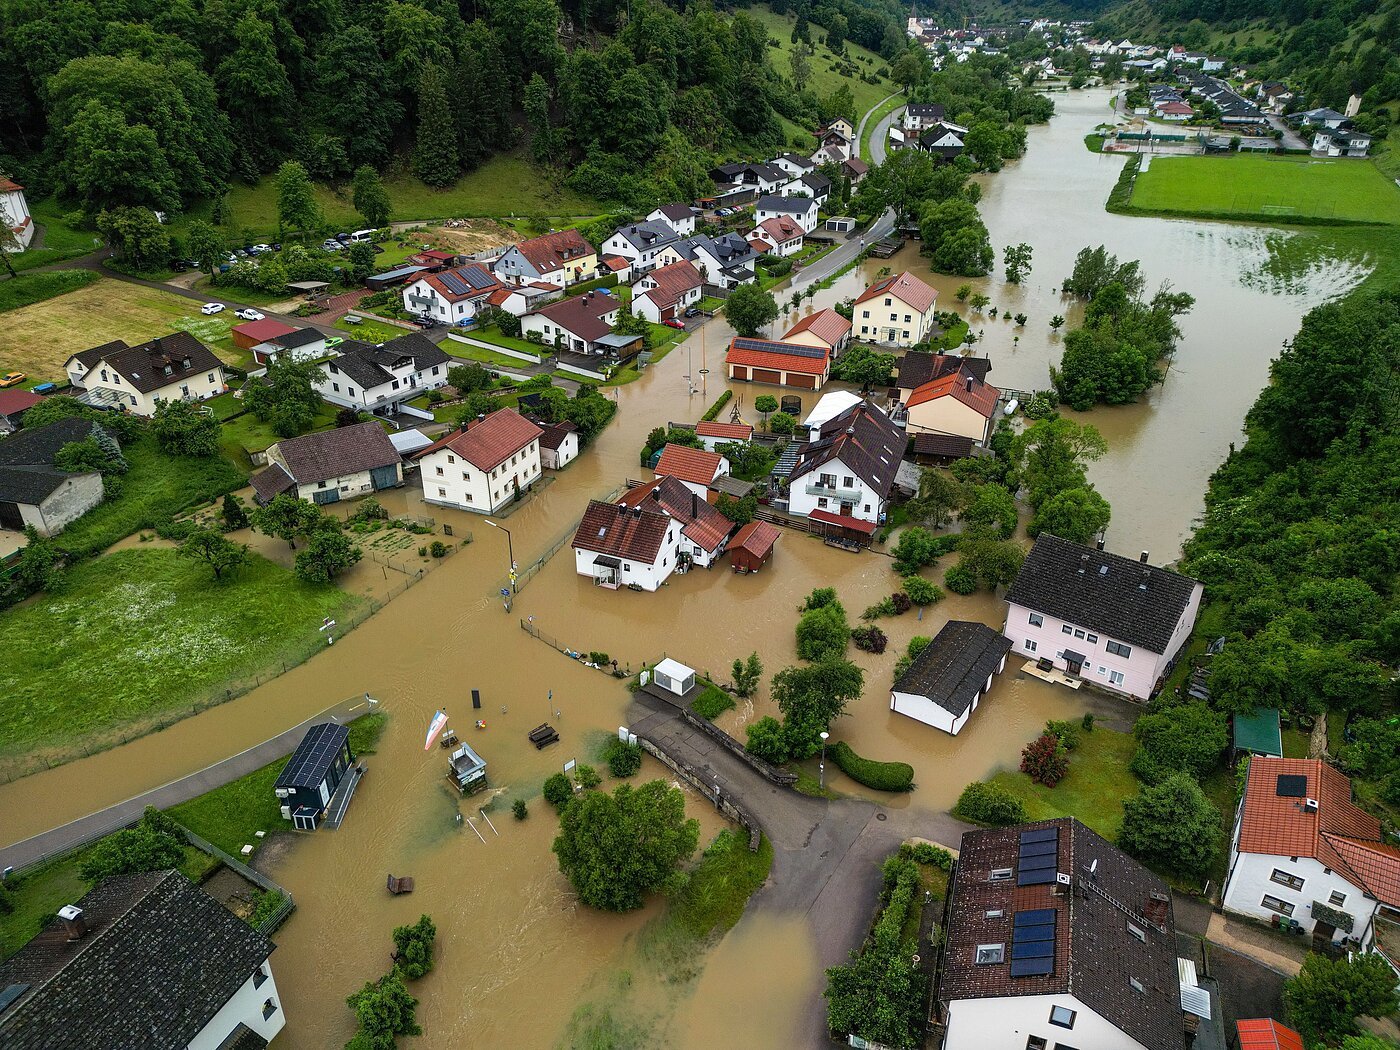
517, 954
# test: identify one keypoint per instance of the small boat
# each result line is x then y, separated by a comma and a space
400, 884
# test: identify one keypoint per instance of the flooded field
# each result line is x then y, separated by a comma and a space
516, 955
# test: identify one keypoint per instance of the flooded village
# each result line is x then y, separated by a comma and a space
502, 635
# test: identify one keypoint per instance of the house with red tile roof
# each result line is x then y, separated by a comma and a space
695, 468
712, 433
451, 296
579, 324
825, 328
778, 363
704, 530
483, 467
957, 403
1264, 1033
1302, 852
664, 293
781, 236
897, 311
561, 258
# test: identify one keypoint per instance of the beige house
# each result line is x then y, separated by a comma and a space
957, 403
897, 311
175, 367
330, 465
825, 328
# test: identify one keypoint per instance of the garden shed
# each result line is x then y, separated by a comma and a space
674, 677
1258, 733
311, 776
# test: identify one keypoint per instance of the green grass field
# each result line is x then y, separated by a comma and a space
140, 634
1094, 789
1280, 189
248, 433
30, 288
157, 486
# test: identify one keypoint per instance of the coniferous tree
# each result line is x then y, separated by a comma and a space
435, 157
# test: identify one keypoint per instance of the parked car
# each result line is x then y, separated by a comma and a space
673, 322
241, 253
260, 248
249, 314
333, 246
343, 238
211, 308
333, 342
12, 379
692, 311
424, 322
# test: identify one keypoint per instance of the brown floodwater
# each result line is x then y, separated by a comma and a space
517, 955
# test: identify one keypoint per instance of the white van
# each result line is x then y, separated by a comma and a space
361, 236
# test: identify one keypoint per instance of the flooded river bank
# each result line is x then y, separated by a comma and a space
516, 953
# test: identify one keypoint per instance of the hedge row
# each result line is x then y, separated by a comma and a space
713, 411
882, 776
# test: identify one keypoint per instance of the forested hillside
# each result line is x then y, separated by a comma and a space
164, 104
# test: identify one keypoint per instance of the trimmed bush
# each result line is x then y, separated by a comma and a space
870, 639
623, 759
882, 776
921, 591
558, 791
985, 803
928, 853
960, 579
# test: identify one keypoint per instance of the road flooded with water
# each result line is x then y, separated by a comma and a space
517, 955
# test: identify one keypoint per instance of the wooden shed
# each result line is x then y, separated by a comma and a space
752, 546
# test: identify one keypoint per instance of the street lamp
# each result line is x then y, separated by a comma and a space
510, 551
822, 767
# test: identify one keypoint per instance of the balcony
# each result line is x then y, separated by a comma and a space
816, 488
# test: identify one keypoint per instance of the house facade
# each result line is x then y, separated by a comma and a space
331, 465
640, 243
634, 547
559, 445
848, 466
561, 258
14, 210
822, 329
704, 531
575, 324
781, 237
1302, 852
1341, 142
726, 261
920, 116
897, 311
175, 367
680, 217
958, 403
814, 185
1117, 623
713, 433
801, 210
483, 467
667, 292
379, 378
778, 363
450, 296
300, 344
34, 492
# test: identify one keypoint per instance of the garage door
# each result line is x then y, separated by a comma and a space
326, 496
767, 375
803, 381
384, 477
738, 372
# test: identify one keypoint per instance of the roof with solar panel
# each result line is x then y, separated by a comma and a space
1053, 909
314, 756
464, 282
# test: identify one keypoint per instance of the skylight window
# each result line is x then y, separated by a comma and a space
987, 954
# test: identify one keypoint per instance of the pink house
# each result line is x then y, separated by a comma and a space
1115, 622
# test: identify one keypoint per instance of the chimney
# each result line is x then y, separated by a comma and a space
694, 505
1098, 545
74, 921
969, 384
1143, 557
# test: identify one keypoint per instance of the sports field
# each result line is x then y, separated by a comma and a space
1285, 189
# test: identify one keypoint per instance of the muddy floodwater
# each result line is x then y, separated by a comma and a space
517, 956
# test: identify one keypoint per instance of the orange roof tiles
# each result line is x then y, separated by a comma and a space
982, 397
775, 358
905, 287
489, 442
757, 537
672, 281
728, 431
781, 229
1262, 1033
689, 464
827, 325
701, 523
553, 250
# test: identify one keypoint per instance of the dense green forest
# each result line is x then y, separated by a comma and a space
163, 104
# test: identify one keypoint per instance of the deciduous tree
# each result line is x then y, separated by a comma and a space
185, 428
224, 557
296, 200
1172, 826
749, 309
370, 197
328, 553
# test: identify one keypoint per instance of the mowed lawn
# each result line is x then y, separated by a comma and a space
38, 339
1094, 789
141, 633
1268, 187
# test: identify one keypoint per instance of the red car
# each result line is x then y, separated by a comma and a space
674, 323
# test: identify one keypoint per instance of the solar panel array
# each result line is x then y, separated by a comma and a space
770, 347
1033, 943
1036, 863
466, 280
314, 756
1292, 785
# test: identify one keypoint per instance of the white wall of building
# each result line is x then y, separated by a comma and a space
849, 487
246, 1007
1009, 1021
339, 389
889, 320
450, 481
440, 309
200, 386
552, 459
646, 575
70, 501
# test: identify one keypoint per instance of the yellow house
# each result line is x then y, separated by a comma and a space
561, 258
957, 403
897, 311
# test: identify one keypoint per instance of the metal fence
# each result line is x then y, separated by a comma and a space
529, 572
257, 878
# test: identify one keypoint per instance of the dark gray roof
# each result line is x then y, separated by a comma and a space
816, 182
161, 958
298, 337
649, 234
369, 365
925, 110
797, 160
336, 453
917, 368
271, 482
864, 439
27, 473
786, 205
953, 446
88, 358
1125, 599
314, 756
159, 363
955, 666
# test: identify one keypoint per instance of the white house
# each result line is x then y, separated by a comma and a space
483, 467
14, 209
148, 953
847, 468
171, 367
762, 177
794, 164
562, 258
1302, 852
814, 185
450, 296
300, 344
1341, 142
1056, 938
781, 236
35, 492
920, 116
801, 210
1118, 623
713, 433
380, 378
897, 311
704, 531
575, 324
695, 468
666, 292
947, 681
519, 300
726, 261
680, 217
331, 465
640, 243
559, 445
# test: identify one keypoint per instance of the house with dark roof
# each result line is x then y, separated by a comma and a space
561, 258
813, 184
779, 363
726, 261
35, 492
641, 242
1302, 853
331, 465
845, 472
919, 116
147, 960
379, 378
621, 546
957, 403
916, 369
1055, 937
667, 291
1341, 142
801, 210
762, 177
175, 367
695, 468
485, 466
680, 217
300, 344
794, 164
559, 444
946, 682
578, 324
450, 296
311, 777
895, 311
704, 530
1117, 623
